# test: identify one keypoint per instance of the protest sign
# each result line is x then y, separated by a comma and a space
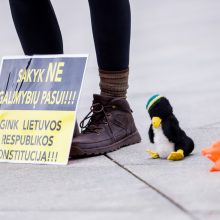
38, 103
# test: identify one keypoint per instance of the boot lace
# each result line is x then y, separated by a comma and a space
98, 115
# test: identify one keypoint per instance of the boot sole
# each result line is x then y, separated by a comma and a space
129, 140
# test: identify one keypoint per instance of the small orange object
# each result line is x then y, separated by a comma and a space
213, 154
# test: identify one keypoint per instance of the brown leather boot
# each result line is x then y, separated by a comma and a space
76, 130
110, 126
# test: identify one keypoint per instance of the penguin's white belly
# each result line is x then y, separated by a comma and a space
163, 146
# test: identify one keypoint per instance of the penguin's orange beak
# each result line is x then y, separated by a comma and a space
156, 122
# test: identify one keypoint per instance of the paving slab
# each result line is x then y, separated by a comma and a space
187, 182
81, 191
108, 215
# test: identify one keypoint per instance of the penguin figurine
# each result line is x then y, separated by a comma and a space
171, 142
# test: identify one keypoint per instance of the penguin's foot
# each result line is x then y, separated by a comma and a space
176, 155
153, 154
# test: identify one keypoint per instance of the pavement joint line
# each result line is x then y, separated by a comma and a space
153, 188
209, 126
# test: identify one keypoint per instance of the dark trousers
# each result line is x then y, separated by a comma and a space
39, 33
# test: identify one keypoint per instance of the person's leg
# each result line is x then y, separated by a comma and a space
38, 29
111, 125
111, 25
37, 26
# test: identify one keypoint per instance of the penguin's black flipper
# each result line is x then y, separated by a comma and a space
186, 144
171, 129
151, 134
176, 135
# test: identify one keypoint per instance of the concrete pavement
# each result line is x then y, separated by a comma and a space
175, 51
